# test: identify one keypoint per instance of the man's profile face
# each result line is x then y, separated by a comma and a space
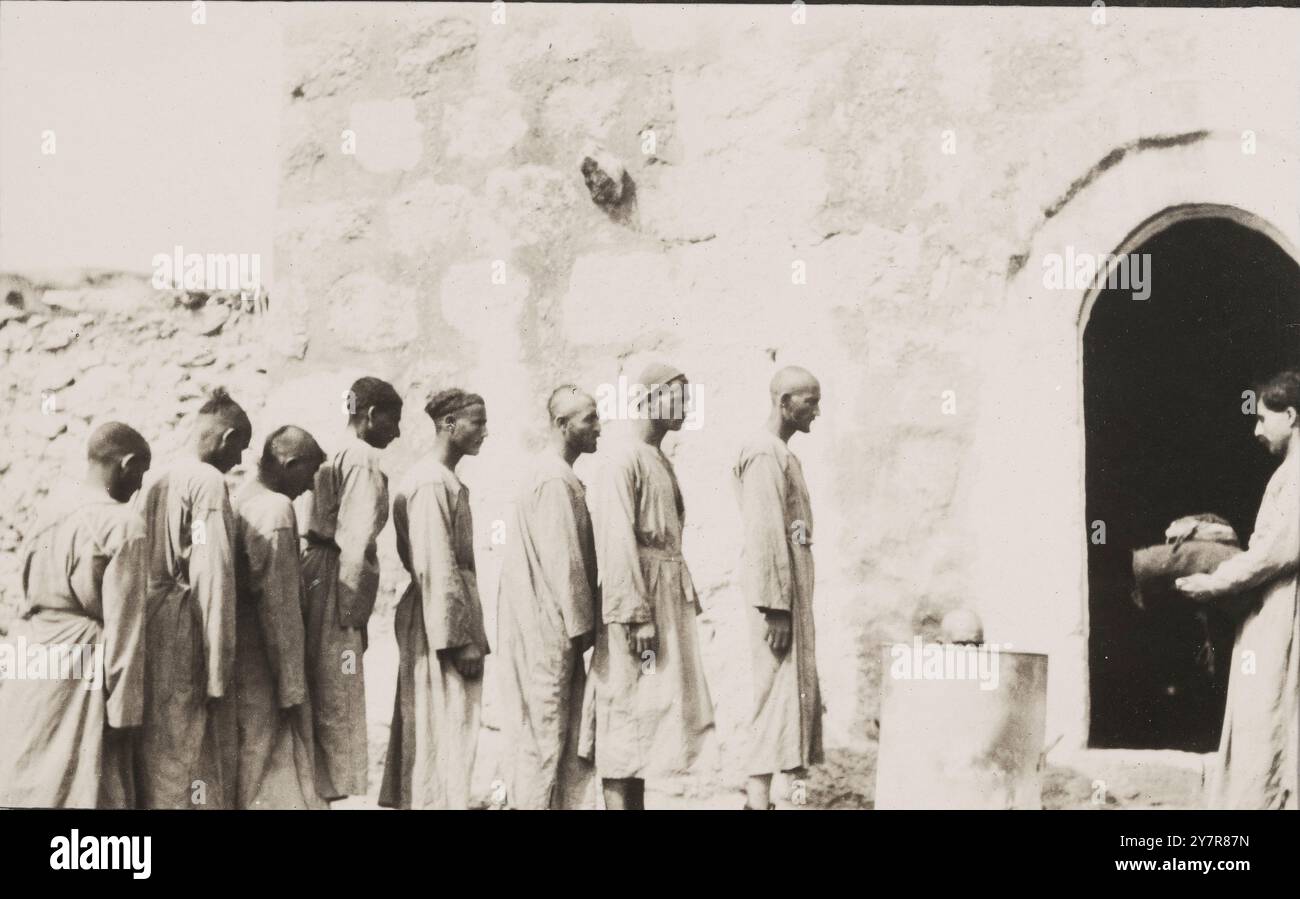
385, 425
299, 475
670, 403
234, 442
582, 427
470, 429
802, 407
1275, 430
130, 476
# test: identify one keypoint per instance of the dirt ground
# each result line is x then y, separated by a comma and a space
1093, 779
1096, 779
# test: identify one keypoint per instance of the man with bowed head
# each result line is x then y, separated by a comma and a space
63, 745
276, 749
439, 621
340, 566
546, 615
187, 750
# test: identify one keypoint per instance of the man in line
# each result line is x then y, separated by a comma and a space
340, 567
776, 565
61, 738
276, 749
439, 621
546, 615
1258, 754
187, 752
647, 711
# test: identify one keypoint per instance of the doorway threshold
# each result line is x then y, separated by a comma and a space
1135, 778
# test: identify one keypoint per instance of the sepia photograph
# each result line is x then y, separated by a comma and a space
645, 406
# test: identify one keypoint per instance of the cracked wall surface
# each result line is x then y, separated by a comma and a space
435, 227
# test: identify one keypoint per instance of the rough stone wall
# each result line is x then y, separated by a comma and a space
775, 145
82, 348
458, 243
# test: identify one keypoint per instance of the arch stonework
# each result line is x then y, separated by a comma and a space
1031, 572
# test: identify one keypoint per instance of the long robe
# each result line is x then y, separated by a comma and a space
436, 712
340, 566
83, 593
776, 563
276, 749
546, 599
1258, 751
643, 717
186, 754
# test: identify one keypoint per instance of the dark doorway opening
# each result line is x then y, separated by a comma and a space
1166, 437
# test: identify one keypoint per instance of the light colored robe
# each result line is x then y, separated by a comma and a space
340, 566
276, 749
83, 586
643, 717
1258, 751
546, 599
436, 712
776, 565
186, 754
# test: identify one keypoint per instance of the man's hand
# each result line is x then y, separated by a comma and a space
1197, 586
642, 638
468, 660
583, 642
778, 631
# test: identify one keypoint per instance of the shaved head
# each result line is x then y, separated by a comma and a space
118, 457
790, 380
221, 409
574, 420
222, 430
566, 400
289, 461
368, 392
288, 443
796, 400
112, 442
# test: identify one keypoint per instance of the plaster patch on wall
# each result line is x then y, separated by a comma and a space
370, 314
483, 297
483, 127
389, 138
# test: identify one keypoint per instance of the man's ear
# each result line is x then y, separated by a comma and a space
226, 436
125, 462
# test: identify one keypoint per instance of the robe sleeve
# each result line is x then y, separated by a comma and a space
363, 512
1274, 551
212, 578
449, 607
564, 570
279, 611
768, 579
124, 612
624, 597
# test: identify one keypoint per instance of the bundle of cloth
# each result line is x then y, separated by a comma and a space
1194, 544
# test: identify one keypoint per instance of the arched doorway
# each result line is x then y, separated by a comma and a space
1165, 436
